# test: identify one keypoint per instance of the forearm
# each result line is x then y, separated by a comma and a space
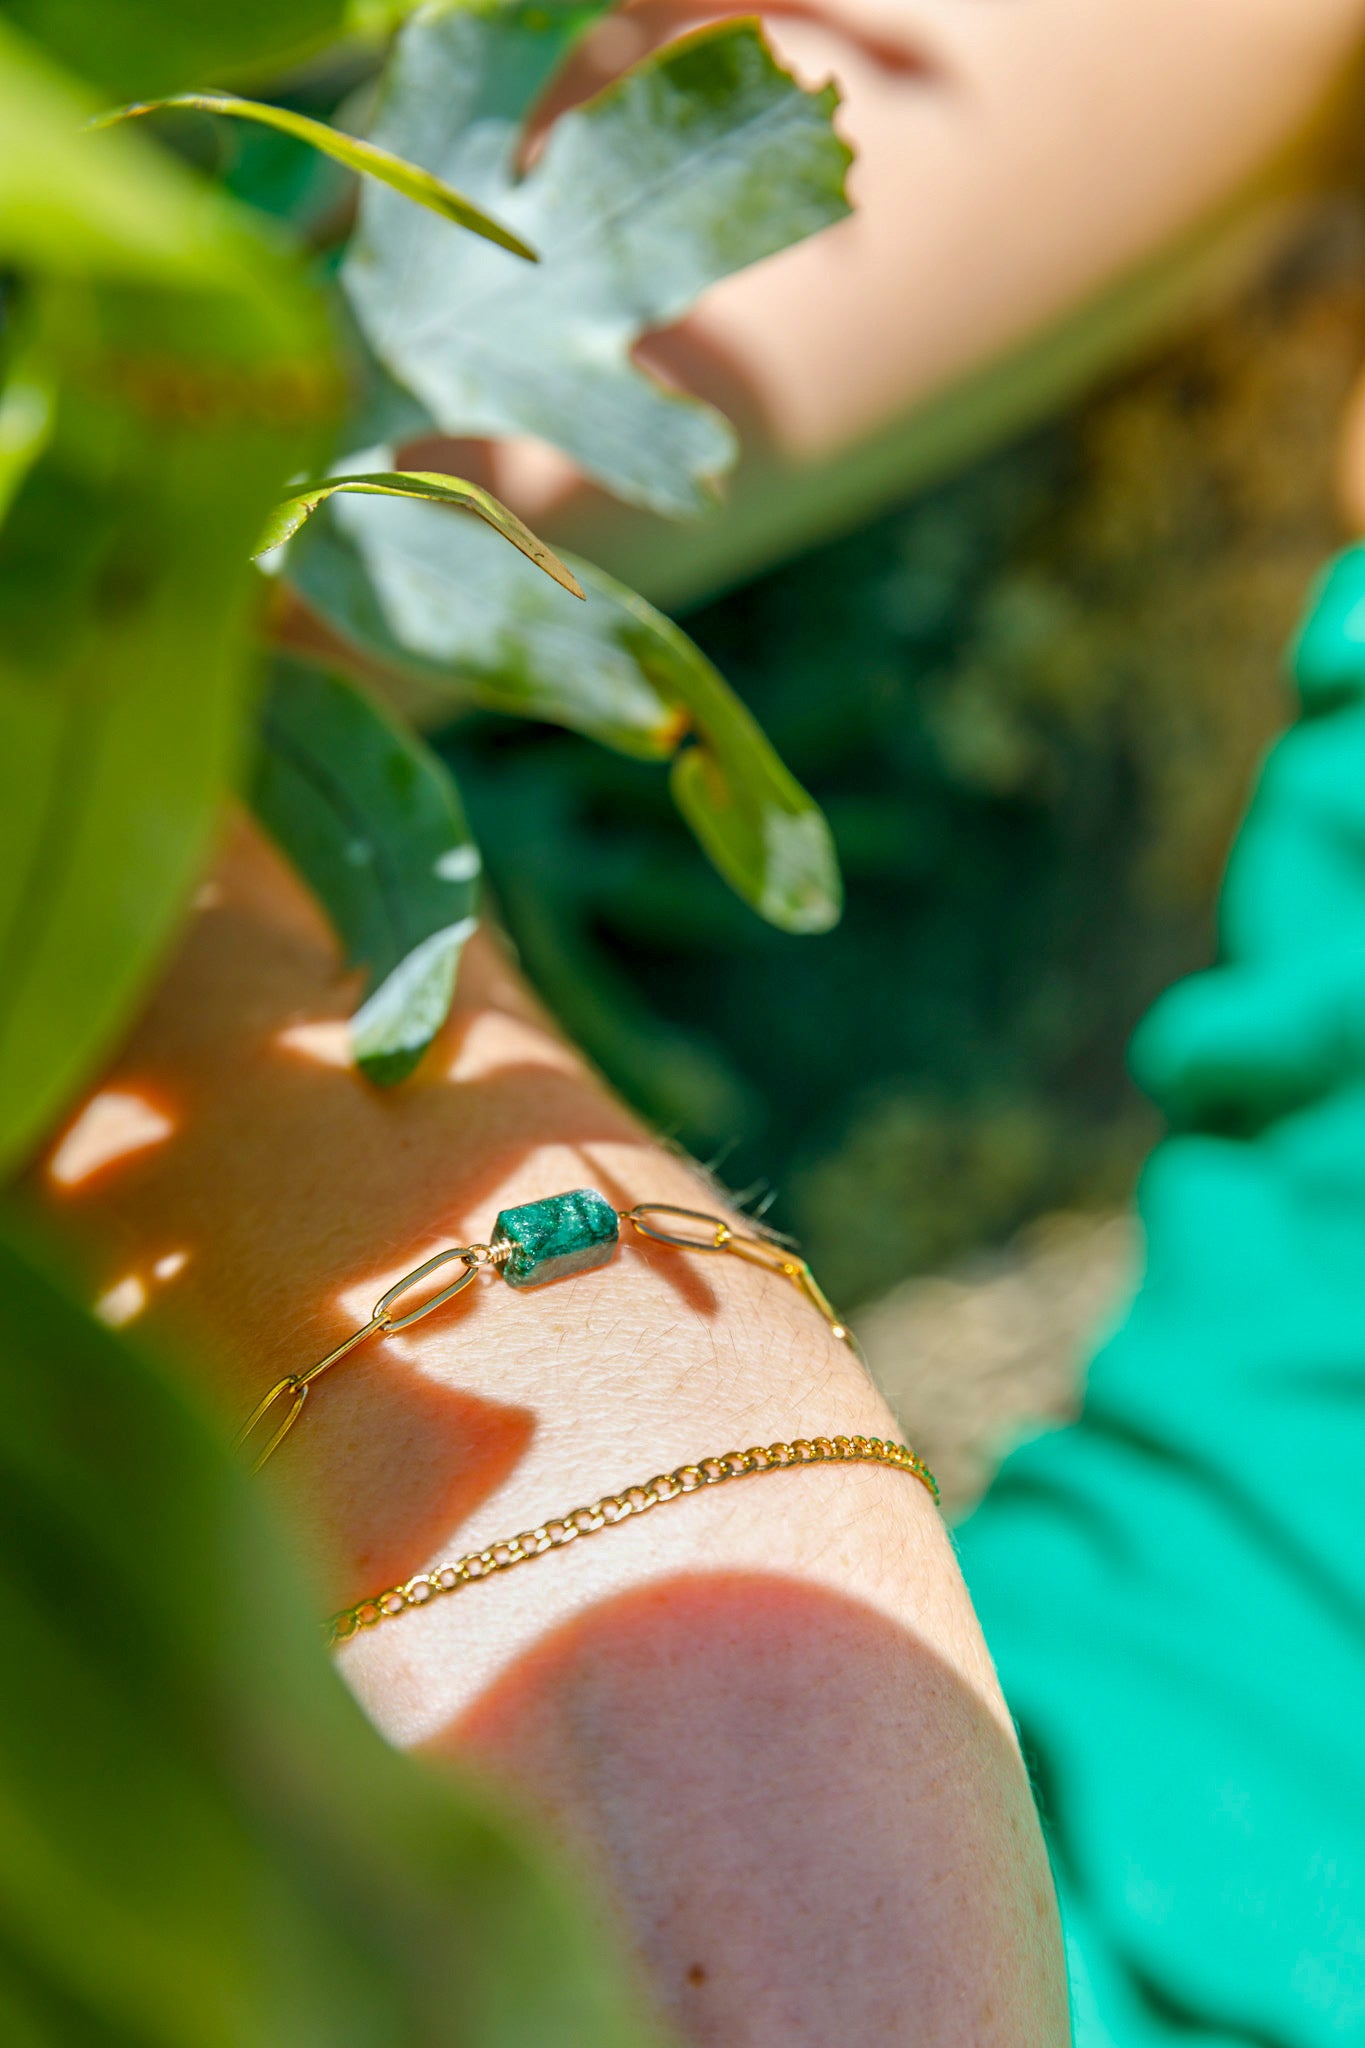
766, 1711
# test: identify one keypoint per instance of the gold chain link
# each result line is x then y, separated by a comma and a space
275, 1414
619, 1507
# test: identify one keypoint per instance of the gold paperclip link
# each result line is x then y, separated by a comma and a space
469, 1254
780, 1259
648, 1219
718, 1241
315, 1372
759, 1251
291, 1389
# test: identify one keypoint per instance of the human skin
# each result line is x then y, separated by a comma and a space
763, 1716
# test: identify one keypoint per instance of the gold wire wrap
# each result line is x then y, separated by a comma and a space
279, 1409
619, 1507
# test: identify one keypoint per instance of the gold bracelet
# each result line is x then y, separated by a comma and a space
541, 1241
618, 1507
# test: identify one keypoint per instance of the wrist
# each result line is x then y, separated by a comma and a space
298, 1194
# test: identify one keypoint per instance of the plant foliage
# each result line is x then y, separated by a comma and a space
470, 623
700, 160
436, 488
703, 158
371, 819
203, 1843
182, 370
147, 46
367, 158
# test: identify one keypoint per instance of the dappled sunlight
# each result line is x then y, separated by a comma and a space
113, 1125
493, 1041
124, 1301
296, 1193
327, 1042
127, 1298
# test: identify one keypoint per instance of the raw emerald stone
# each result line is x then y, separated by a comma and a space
560, 1235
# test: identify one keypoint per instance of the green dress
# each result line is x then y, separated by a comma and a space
1174, 1588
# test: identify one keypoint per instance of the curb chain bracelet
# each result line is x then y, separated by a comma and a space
619, 1507
533, 1244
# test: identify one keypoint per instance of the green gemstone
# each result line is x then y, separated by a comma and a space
559, 1235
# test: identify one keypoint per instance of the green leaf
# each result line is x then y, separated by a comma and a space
77, 203
27, 414
204, 1842
148, 46
432, 485
364, 157
463, 620
703, 159
372, 821
190, 375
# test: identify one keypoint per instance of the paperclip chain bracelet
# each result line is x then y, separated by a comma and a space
619, 1507
541, 1241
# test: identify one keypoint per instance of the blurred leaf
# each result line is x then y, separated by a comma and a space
191, 375
152, 46
372, 820
703, 159
751, 816
357, 155
80, 203
436, 487
204, 1842
27, 411
76, 202
468, 622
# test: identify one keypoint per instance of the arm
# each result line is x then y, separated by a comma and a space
765, 1716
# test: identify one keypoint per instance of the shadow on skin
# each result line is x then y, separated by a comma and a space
419, 1459
661, 1734
282, 1236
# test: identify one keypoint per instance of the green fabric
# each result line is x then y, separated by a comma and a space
1174, 1588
